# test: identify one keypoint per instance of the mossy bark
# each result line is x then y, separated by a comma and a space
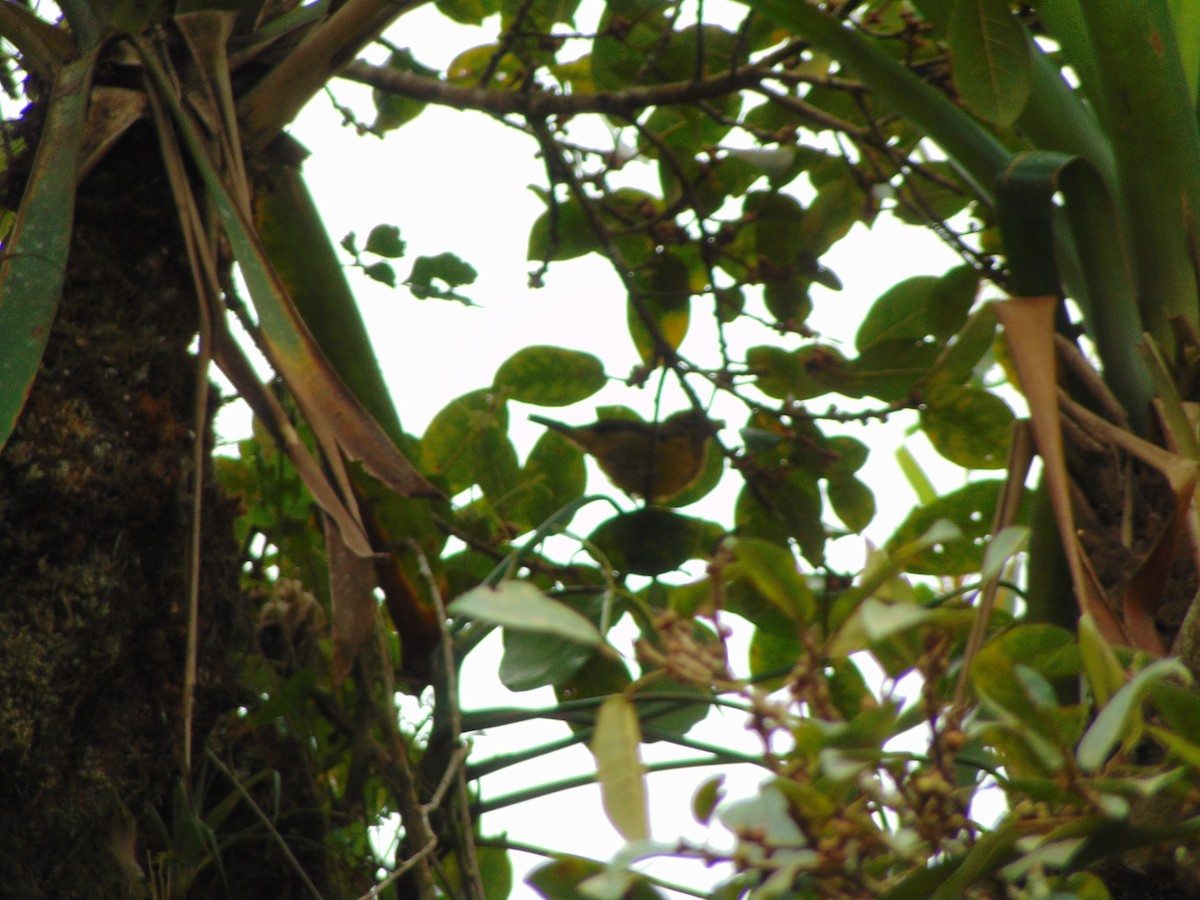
95, 524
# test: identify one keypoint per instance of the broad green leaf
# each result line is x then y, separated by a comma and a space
653, 541
562, 880
771, 569
990, 56
520, 605
829, 218
892, 370
852, 501
970, 508
666, 720
394, 110
809, 372
952, 299
550, 376
554, 475
628, 32
1111, 726
659, 309
562, 232
619, 770
438, 276
493, 866
35, 253
957, 362
788, 300
467, 12
777, 508
467, 443
384, 240
774, 654
778, 228
600, 676
851, 454
1023, 705
681, 129
534, 659
968, 426
922, 199
883, 620
1048, 649
900, 314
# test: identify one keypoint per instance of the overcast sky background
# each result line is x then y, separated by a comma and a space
458, 181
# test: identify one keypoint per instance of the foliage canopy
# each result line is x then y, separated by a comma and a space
1053, 146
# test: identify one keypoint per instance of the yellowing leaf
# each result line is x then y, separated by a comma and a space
968, 426
619, 767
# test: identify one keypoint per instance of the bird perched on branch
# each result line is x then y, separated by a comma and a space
655, 460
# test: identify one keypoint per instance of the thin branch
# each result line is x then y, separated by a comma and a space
542, 104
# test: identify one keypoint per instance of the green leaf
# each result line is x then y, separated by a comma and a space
892, 370
493, 866
990, 56
779, 508
956, 363
952, 299
1105, 674
394, 110
619, 769
852, 501
561, 880
662, 294
771, 570
550, 376
653, 541
900, 314
1047, 649
381, 272
467, 443
968, 426
554, 475
520, 605
534, 659
384, 240
1001, 548
706, 798
562, 232
35, 253
466, 12
778, 228
445, 268
808, 372
921, 199
971, 509
1111, 726
771, 652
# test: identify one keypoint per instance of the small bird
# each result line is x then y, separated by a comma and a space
655, 460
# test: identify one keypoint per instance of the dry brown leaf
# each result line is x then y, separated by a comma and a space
1029, 329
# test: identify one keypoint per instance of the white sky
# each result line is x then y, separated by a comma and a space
459, 182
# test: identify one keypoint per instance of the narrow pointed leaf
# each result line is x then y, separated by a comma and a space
329, 404
35, 258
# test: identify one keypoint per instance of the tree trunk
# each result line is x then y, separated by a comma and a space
95, 524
